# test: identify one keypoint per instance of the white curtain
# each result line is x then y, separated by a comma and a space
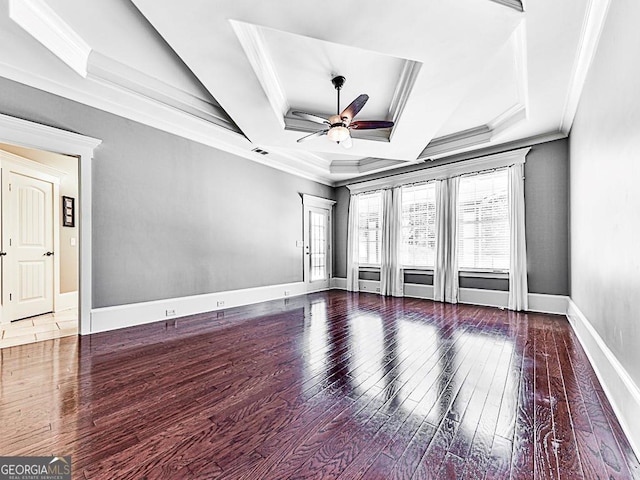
353, 255
518, 289
391, 281
445, 275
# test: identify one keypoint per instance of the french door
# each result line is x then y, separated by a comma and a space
317, 242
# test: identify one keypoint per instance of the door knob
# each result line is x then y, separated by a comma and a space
48, 254
2, 254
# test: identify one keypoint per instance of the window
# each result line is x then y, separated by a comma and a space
418, 247
483, 222
370, 228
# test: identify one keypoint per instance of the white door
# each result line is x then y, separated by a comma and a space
27, 244
317, 245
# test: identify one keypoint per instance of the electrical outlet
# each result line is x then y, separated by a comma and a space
221, 303
170, 312
287, 293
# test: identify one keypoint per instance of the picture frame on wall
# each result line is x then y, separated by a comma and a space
68, 212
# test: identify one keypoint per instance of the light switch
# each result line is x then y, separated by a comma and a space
73, 241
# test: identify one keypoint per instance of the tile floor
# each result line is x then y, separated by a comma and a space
42, 327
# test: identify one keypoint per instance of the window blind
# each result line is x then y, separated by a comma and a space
483, 222
370, 228
418, 247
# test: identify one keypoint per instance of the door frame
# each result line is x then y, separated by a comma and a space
45, 173
325, 204
28, 134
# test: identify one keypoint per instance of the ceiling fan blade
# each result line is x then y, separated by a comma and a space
311, 117
319, 133
347, 142
355, 106
370, 124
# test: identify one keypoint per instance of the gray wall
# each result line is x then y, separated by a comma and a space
547, 213
340, 225
172, 217
605, 193
546, 191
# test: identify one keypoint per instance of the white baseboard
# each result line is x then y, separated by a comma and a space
122, 316
487, 298
473, 296
543, 303
66, 301
621, 390
370, 286
413, 290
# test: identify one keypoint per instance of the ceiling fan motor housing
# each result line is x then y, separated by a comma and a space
338, 81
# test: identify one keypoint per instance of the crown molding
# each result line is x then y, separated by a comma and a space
514, 4
364, 166
43, 24
455, 141
260, 59
475, 136
590, 36
291, 163
113, 74
516, 114
407, 79
488, 162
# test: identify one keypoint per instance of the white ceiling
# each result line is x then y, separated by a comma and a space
454, 76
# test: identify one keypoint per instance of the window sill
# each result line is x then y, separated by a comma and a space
429, 271
368, 269
484, 274
418, 271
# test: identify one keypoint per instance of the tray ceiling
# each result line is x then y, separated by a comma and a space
453, 76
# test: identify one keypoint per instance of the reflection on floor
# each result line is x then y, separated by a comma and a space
42, 327
321, 386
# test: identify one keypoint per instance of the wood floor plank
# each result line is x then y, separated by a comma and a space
546, 445
326, 385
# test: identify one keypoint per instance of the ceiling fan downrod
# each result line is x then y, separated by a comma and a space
338, 83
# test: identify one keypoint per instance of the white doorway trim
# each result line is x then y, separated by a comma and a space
34, 135
310, 202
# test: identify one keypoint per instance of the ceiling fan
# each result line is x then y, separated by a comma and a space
341, 124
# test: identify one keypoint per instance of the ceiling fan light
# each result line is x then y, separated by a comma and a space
338, 134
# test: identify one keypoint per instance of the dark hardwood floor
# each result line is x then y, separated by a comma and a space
329, 385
